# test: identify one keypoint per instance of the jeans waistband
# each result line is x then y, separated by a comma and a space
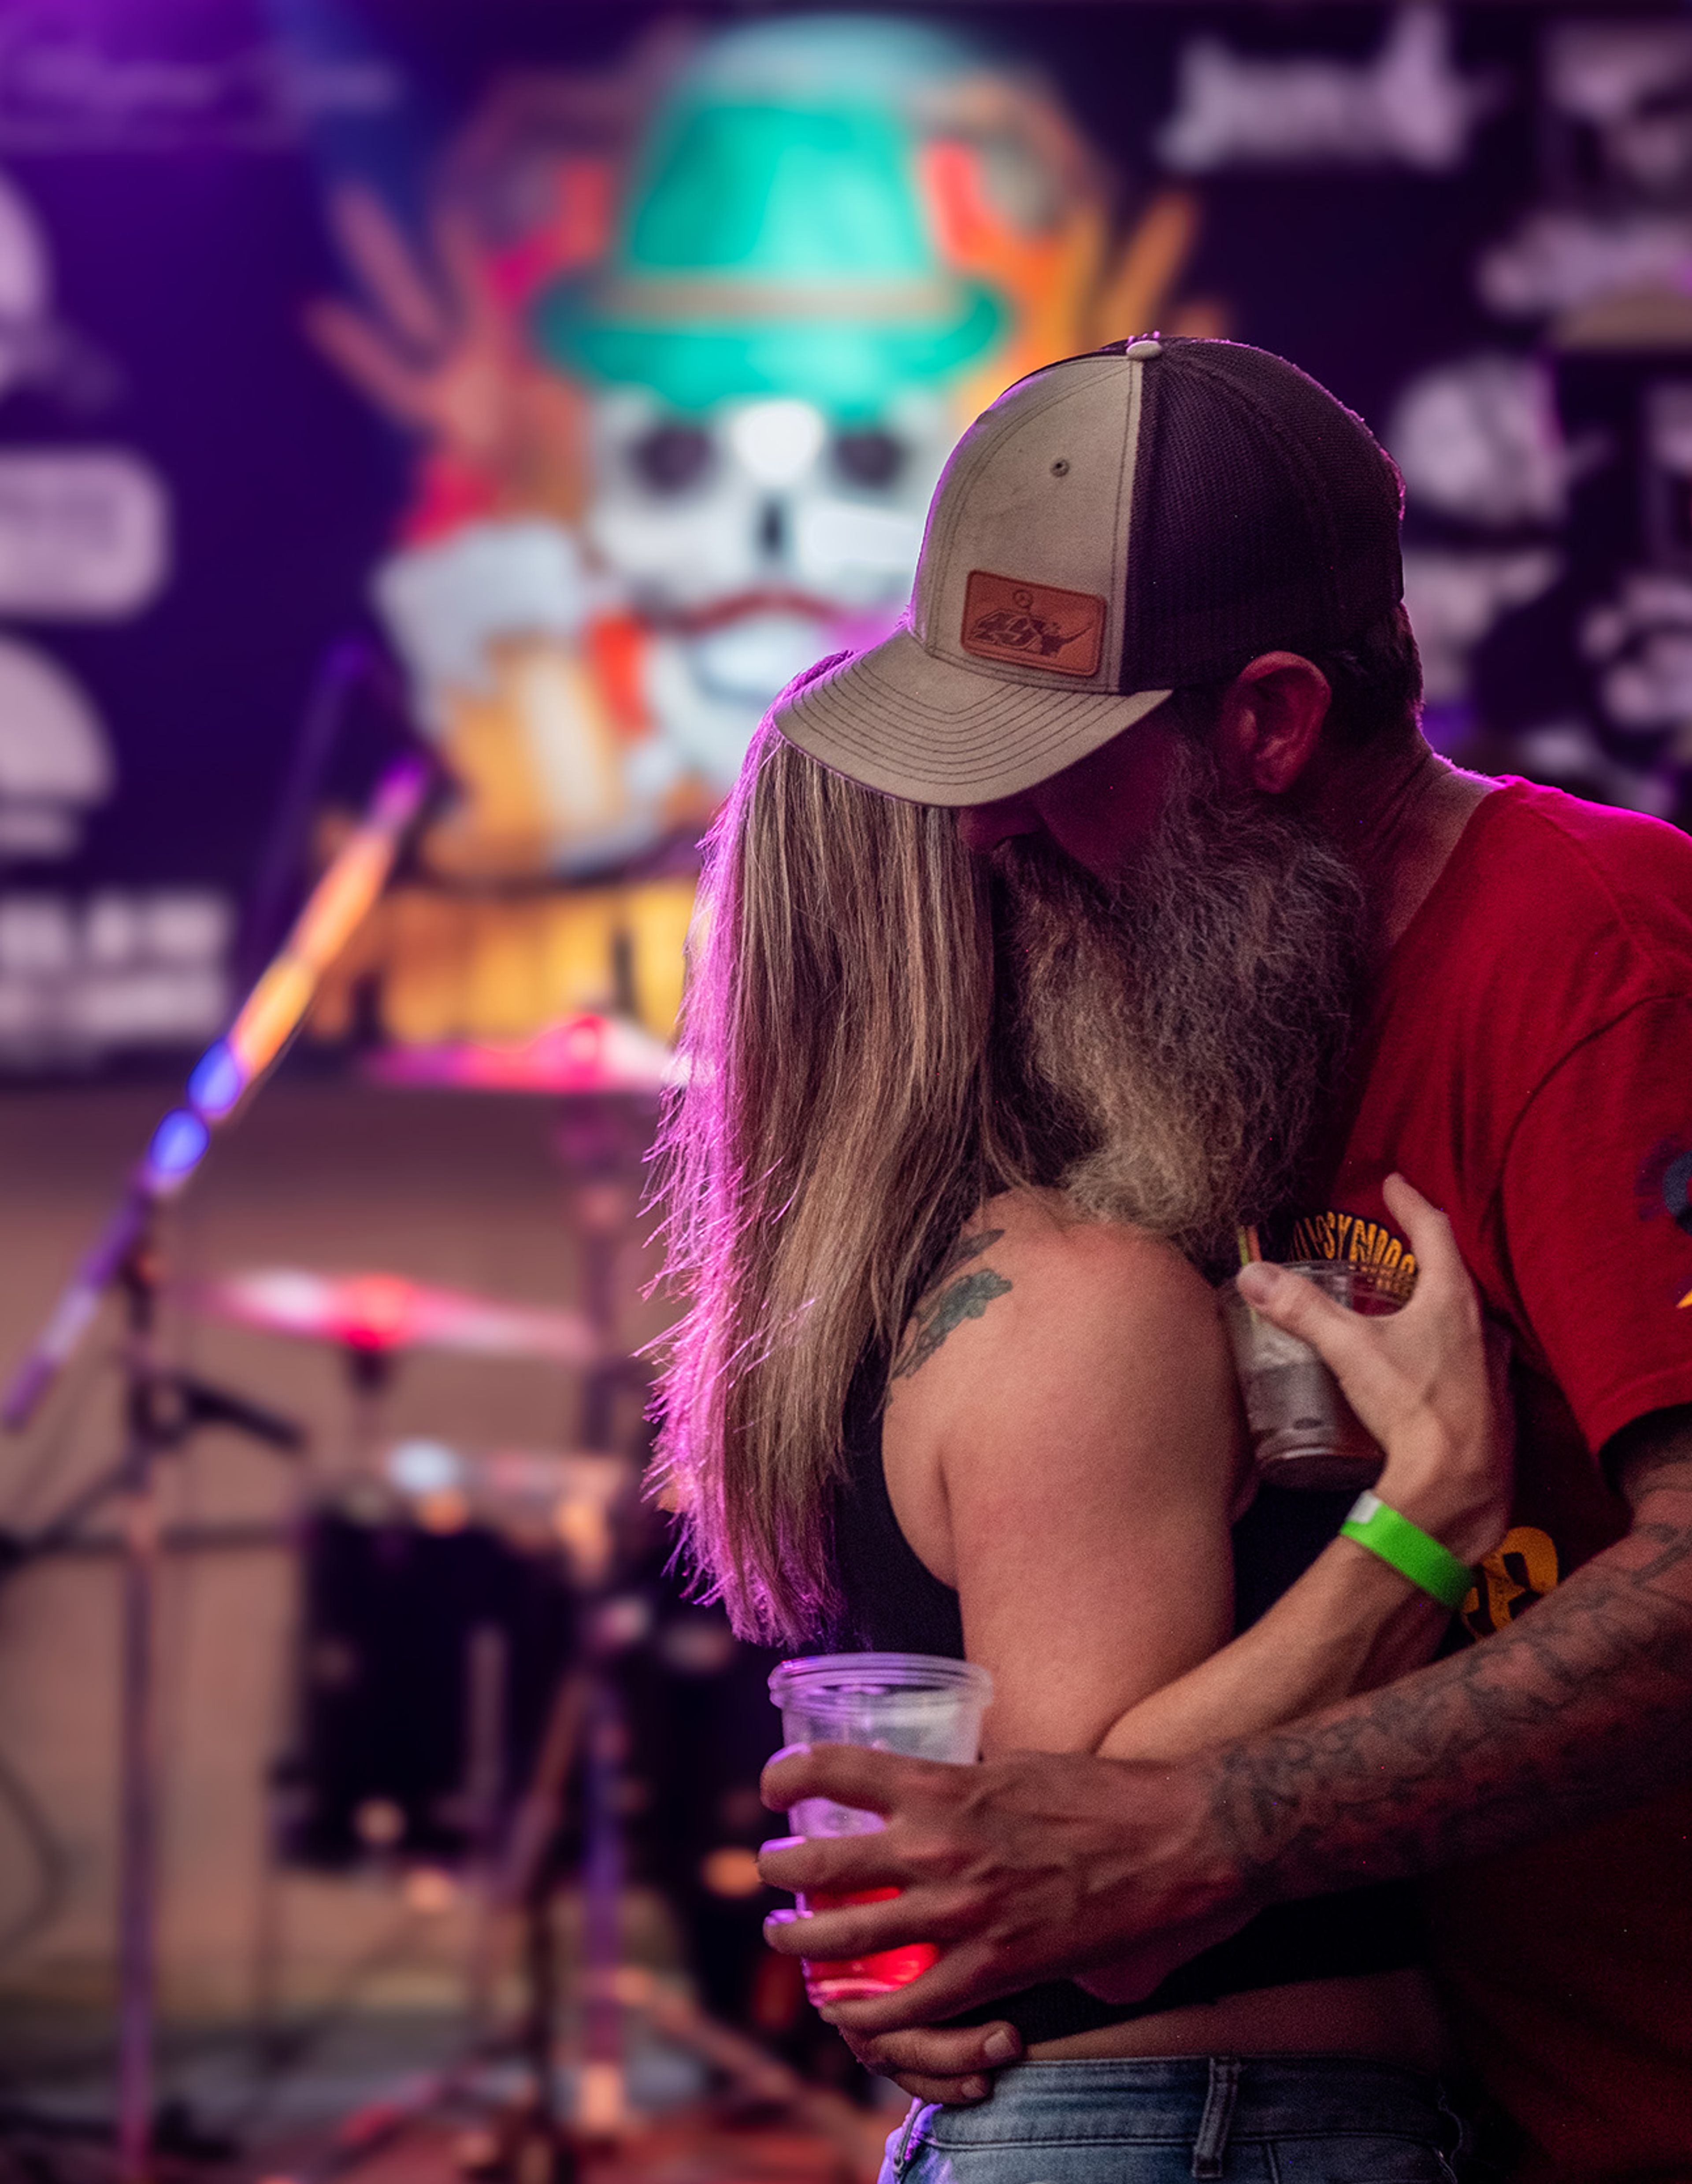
1207, 2101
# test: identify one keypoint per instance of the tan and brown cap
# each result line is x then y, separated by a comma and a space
1116, 526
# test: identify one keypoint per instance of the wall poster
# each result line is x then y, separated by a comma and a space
554, 384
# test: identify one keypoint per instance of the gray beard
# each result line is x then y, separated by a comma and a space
1182, 1036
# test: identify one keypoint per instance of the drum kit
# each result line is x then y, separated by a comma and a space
470, 1626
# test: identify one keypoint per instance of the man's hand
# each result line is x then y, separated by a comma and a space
1424, 1381
1019, 1870
1115, 1871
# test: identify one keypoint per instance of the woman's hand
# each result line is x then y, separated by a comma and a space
1428, 1382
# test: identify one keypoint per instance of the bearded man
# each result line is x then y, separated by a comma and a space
1269, 948
1186, 1024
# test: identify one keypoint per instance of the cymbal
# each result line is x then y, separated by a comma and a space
380, 1312
586, 1053
533, 1497
518, 1477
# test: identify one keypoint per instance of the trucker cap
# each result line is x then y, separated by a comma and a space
1153, 513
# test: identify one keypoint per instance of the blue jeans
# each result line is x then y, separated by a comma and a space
1288, 2119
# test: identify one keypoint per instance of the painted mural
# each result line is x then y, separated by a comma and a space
580, 384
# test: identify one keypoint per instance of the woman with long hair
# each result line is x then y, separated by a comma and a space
932, 1392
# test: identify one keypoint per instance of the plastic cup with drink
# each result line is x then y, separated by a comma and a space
1303, 1432
919, 1704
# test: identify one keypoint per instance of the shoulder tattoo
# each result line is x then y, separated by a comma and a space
957, 1292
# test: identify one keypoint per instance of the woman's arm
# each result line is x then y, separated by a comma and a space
1061, 1444
1070, 1464
1420, 1381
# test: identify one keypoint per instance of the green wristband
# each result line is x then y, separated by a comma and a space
1409, 1549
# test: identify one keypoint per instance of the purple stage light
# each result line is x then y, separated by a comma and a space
177, 1144
216, 1083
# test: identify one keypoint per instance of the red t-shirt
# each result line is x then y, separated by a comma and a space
1528, 1068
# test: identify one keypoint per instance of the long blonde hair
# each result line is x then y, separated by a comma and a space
840, 1123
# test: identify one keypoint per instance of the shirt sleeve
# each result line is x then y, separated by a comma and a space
1595, 1203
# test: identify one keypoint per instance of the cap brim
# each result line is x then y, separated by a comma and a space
928, 730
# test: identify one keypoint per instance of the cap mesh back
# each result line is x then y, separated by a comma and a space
1265, 515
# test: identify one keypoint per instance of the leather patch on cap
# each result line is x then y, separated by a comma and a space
1041, 625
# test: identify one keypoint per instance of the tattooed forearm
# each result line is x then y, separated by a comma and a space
1580, 1709
951, 1298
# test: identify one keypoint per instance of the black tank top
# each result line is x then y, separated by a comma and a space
893, 1603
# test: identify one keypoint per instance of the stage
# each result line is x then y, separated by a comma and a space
292, 1998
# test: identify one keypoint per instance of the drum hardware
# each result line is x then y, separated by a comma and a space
537, 1499
124, 1257
178, 1404
377, 1314
428, 1657
434, 1591
593, 1052
607, 1087
534, 2143
375, 1318
163, 1408
608, 1076
531, 2143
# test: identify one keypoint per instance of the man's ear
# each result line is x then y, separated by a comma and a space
1270, 721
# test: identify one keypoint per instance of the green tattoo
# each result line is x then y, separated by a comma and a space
951, 1298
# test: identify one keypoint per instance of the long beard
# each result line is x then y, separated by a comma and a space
1183, 1035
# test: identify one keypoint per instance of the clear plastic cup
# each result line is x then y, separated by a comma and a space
1303, 1432
920, 1704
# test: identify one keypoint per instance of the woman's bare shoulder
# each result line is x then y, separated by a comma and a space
1062, 1250
1056, 1359
1034, 1272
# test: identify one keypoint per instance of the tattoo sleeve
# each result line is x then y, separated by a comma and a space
1582, 1707
954, 1295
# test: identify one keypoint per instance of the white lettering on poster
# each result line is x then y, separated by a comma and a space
55, 760
1455, 596
68, 87
1408, 106
84, 978
1622, 79
84, 535
1556, 261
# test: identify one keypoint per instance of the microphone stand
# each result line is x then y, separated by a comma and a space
162, 1407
